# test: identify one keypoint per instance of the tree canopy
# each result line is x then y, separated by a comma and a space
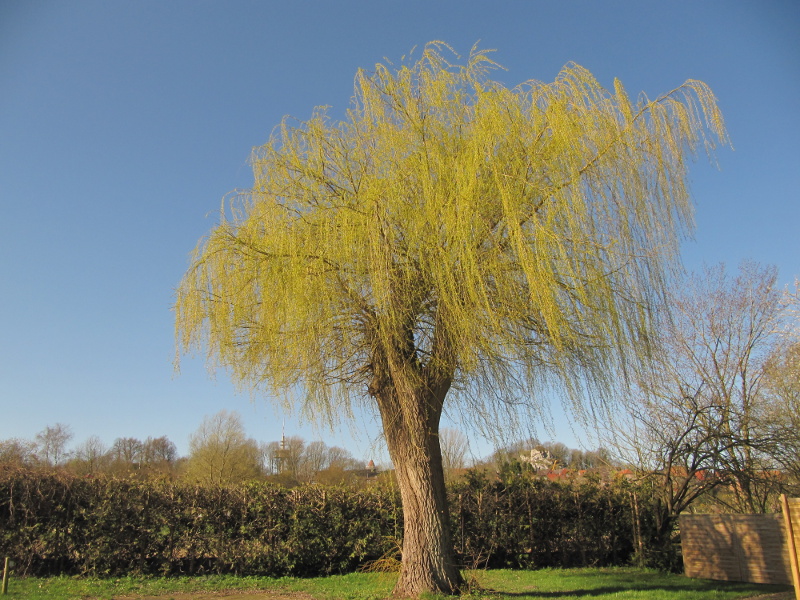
472, 224
450, 237
220, 451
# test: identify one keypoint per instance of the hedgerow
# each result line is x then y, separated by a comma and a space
531, 522
56, 523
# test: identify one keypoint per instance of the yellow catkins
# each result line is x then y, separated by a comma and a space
507, 238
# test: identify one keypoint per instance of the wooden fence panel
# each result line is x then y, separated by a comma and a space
750, 548
791, 520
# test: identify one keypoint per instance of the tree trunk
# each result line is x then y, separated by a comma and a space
411, 425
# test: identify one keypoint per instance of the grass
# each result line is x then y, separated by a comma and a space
548, 584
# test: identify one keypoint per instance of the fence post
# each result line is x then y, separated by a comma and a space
787, 516
5, 577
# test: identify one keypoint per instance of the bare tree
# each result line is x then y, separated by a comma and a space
725, 329
455, 448
51, 444
782, 408
159, 450
341, 458
127, 450
316, 457
19, 452
221, 452
91, 456
678, 445
696, 418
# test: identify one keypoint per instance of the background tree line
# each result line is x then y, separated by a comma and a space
220, 452
50, 448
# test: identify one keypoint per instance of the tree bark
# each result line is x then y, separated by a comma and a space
411, 425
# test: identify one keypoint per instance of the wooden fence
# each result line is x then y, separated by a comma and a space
791, 520
754, 548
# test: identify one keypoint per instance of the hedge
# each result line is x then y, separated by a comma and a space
57, 523
527, 523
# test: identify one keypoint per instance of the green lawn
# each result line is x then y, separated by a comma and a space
549, 584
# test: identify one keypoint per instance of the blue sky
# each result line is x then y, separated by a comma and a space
123, 124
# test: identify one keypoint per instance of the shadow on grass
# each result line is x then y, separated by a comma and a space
664, 590
570, 594
613, 591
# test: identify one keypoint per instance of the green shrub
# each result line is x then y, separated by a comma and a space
531, 522
57, 523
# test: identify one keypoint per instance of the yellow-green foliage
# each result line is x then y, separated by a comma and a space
221, 453
498, 235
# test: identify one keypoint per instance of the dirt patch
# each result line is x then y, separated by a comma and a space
225, 595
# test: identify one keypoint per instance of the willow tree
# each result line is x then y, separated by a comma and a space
452, 243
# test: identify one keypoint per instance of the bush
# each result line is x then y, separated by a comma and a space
530, 522
56, 523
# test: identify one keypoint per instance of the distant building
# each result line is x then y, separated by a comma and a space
538, 459
280, 458
368, 473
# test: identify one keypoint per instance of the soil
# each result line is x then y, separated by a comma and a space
225, 595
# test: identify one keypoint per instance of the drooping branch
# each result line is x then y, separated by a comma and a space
450, 239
